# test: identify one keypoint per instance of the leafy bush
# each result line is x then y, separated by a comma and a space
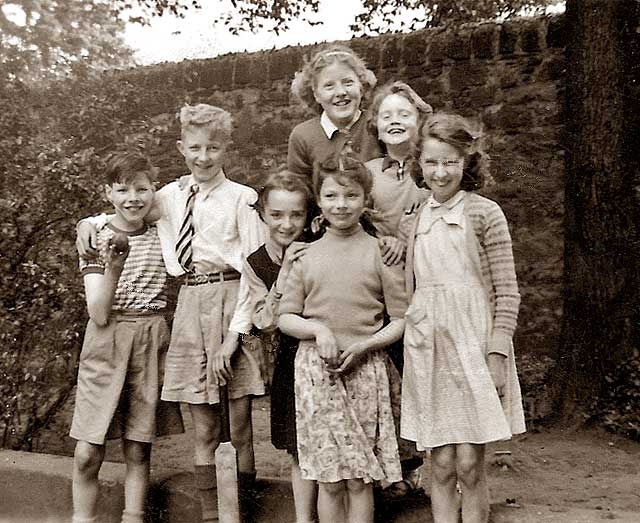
618, 409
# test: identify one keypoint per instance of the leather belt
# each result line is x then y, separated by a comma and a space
212, 277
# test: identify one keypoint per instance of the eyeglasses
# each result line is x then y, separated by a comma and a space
446, 162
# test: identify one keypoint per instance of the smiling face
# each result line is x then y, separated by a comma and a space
285, 213
131, 200
341, 202
204, 151
397, 120
339, 91
442, 167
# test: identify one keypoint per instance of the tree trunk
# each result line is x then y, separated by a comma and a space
601, 320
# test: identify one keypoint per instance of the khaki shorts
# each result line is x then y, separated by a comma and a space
119, 379
201, 321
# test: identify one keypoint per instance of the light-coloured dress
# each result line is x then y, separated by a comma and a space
448, 393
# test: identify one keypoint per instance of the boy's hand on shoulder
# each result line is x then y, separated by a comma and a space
155, 213
183, 182
221, 361
86, 240
392, 250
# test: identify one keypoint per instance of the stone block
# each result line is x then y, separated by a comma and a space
557, 31
421, 71
438, 47
391, 53
508, 74
512, 118
552, 69
251, 70
459, 46
467, 74
483, 41
415, 48
368, 49
284, 63
530, 37
508, 38
220, 71
272, 132
428, 89
482, 96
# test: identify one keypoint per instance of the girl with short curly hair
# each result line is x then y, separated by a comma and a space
334, 83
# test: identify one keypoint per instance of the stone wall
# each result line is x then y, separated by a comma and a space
507, 77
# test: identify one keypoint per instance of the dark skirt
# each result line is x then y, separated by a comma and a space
283, 401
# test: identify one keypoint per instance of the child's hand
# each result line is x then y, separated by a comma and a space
392, 249
86, 240
118, 251
497, 364
327, 345
155, 213
294, 252
220, 363
349, 358
183, 182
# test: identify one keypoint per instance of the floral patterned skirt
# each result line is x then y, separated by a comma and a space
345, 425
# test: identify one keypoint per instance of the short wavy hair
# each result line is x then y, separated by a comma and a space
304, 80
456, 131
124, 165
286, 181
402, 89
344, 168
204, 115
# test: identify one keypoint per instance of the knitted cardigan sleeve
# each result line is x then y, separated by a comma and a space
495, 241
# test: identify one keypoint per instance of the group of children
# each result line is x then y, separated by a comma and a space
369, 256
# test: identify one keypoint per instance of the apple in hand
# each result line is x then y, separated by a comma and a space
119, 242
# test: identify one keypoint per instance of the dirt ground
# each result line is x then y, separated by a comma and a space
566, 470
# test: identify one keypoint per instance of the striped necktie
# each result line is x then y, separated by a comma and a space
185, 235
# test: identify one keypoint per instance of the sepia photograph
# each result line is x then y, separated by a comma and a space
319, 261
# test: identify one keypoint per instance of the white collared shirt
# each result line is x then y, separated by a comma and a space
330, 128
227, 230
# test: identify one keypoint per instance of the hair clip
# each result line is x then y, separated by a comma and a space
333, 53
329, 164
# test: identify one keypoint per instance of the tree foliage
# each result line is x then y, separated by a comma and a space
44, 39
379, 16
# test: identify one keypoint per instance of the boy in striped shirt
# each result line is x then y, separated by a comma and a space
118, 378
207, 227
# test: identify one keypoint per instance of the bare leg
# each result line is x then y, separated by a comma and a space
206, 424
242, 433
473, 482
331, 499
305, 495
87, 460
444, 504
137, 456
360, 506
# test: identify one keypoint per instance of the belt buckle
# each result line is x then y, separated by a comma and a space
199, 279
